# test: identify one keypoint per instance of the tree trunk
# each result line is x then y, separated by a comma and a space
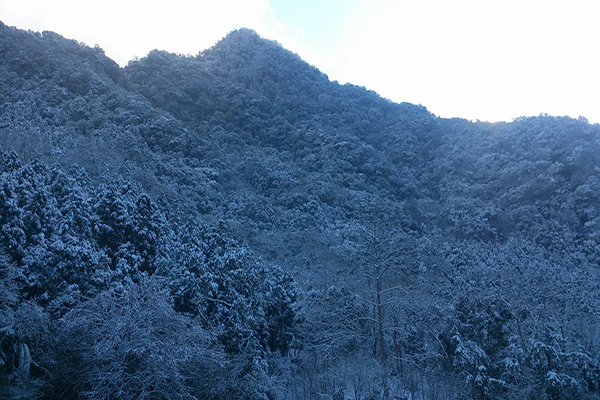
374, 331
24, 360
380, 336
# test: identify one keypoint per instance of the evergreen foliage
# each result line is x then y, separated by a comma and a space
234, 225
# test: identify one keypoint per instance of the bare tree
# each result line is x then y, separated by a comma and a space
383, 255
134, 345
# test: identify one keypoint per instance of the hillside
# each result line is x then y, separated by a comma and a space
320, 240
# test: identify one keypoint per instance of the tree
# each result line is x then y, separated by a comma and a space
332, 334
24, 339
133, 344
381, 255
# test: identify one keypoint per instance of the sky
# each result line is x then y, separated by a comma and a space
483, 60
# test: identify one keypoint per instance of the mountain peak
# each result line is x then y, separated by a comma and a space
246, 45
242, 37
243, 34
243, 53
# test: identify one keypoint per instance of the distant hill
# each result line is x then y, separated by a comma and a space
316, 234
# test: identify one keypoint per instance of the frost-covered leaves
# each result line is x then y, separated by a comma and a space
24, 338
521, 318
68, 240
560, 372
504, 216
83, 254
129, 224
63, 234
251, 306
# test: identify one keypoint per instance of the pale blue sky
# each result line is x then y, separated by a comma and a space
317, 22
477, 59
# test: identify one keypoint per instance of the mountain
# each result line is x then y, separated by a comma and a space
281, 235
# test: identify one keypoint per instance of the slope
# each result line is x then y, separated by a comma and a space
301, 154
493, 228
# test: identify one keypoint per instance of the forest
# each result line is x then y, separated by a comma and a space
234, 225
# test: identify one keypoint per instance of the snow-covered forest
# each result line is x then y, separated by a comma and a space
234, 225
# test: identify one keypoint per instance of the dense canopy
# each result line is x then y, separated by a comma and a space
235, 225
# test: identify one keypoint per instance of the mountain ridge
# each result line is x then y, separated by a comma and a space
275, 213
